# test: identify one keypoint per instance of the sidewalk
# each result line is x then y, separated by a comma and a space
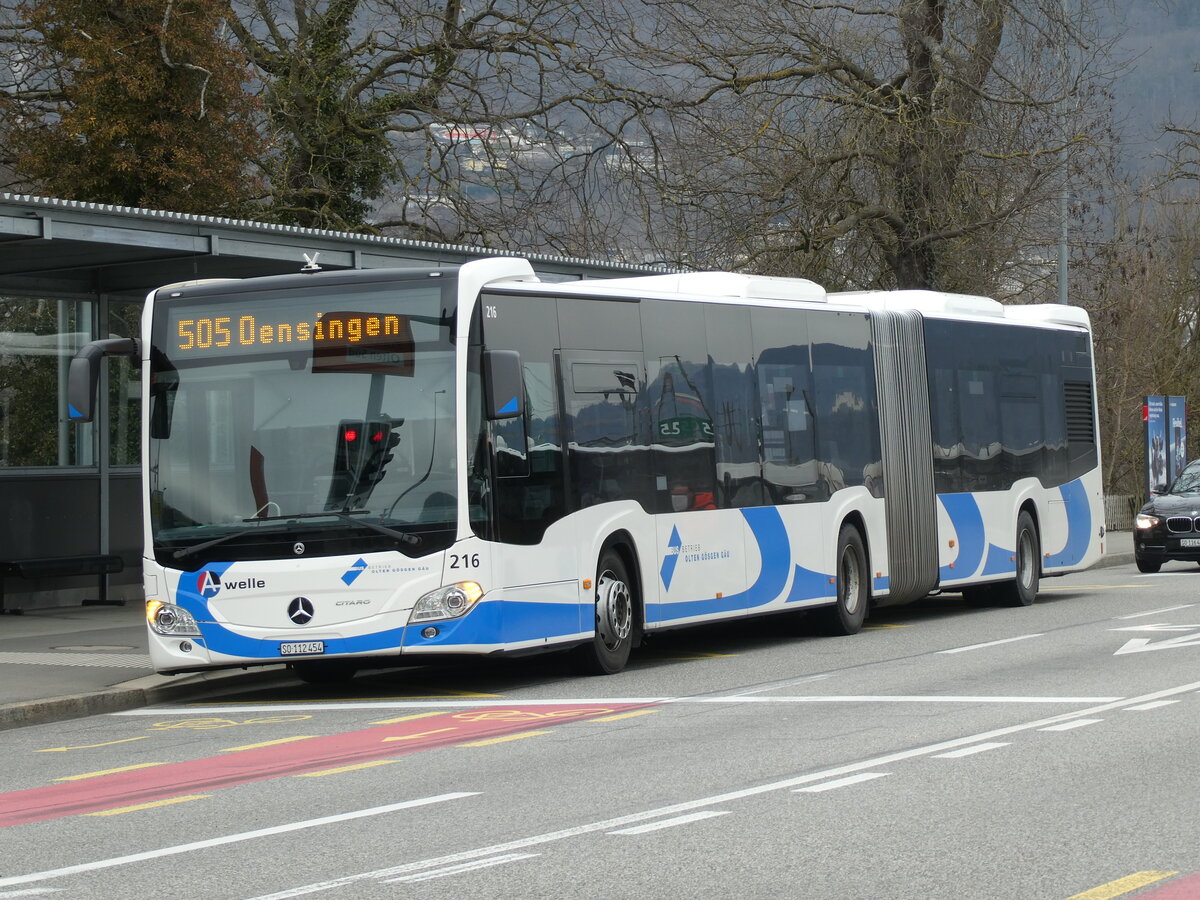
80, 661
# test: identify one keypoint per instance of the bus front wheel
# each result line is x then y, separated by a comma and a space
608, 650
853, 591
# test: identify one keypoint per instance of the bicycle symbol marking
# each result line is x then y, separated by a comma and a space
208, 723
526, 715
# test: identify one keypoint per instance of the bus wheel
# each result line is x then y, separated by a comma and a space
325, 671
608, 650
847, 615
1023, 589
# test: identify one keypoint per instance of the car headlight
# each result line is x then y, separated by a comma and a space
449, 602
1144, 521
169, 619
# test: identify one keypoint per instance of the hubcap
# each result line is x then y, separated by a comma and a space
614, 610
1025, 560
850, 584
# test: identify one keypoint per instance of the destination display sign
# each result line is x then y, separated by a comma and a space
336, 341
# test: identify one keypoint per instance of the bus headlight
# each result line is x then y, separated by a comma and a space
169, 619
1144, 521
449, 602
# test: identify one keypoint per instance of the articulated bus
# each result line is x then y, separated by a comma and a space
382, 467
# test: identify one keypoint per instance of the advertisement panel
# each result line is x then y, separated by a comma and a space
1177, 454
1156, 443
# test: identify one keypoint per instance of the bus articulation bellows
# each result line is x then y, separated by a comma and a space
345, 469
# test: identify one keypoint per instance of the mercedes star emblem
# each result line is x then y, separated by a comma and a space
301, 610
298, 548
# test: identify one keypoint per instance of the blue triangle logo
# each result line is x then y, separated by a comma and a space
671, 560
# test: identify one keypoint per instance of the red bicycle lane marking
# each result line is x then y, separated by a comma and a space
1186, 888
262, 763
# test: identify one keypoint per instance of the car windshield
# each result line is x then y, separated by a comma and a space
1188, 482
292, 414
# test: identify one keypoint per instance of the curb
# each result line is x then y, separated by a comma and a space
1114, 559
139, 692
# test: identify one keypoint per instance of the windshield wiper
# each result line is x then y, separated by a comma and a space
403, 536
196, 548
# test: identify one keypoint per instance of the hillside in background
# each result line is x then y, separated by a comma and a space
1162, 44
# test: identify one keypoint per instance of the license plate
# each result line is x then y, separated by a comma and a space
1189, 542
301, 648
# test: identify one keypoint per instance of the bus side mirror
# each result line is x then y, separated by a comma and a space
84, 374
504, 385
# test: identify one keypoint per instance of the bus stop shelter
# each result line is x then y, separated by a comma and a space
70, 272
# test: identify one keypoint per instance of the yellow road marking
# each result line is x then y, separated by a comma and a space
1122, 886
442, 695
286, 740
702, 656
626, 715
409, 737
109, 772
424, 715
340, 769
501, 740
1094, 587
140, 806
90, 746
878, 627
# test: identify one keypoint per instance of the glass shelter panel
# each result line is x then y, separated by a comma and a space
38, 338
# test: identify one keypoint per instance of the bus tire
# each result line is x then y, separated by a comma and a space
853, 591
1023, 589
1148, 566
320, 672
615, 613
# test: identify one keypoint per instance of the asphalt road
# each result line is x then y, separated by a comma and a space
945, 752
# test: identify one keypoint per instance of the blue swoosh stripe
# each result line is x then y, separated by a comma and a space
968, 526
775, 552
1079, 526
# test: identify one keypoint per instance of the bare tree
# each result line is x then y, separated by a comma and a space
416, 99
910, 143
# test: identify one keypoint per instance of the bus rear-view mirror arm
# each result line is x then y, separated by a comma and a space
84, 374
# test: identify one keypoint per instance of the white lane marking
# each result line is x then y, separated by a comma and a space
1157, 627
162, 711
781, 684
1155, 612
1067, 726
841, 782
1143, 645
1010, 640
889, 698
31, 892
717, 799
969, 751
481, 703
1142, 707
228, 839
671, 823
462, 867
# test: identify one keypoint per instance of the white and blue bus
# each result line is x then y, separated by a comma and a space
350, 469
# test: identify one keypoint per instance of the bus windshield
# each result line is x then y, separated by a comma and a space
312, 421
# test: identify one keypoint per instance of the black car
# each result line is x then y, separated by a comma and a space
1168, 527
